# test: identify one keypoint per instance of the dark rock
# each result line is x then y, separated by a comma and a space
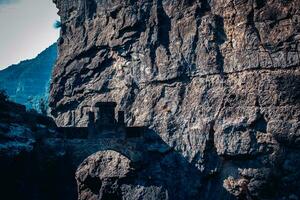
30, 165
216, 80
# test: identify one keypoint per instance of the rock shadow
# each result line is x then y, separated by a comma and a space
160, 172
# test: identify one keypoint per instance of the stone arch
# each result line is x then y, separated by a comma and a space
79, 150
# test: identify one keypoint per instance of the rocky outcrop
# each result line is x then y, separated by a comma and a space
34, 154
218, 81
157, 173
102, 176
109, 167
28, 82
32, 162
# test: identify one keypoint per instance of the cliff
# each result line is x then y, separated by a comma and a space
28, 82
218, 81
39, 160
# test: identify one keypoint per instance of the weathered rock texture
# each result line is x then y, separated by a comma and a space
217, 80
99, 177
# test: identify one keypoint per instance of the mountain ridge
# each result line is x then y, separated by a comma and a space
28, 81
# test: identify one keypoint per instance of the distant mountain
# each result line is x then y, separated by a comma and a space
28, 82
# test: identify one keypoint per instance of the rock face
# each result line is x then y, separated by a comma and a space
106, 167
110, 175
28, 82
138, 168
103, 176
218, 81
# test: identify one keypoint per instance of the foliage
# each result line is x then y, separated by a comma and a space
3, 96
43, 106
57, 24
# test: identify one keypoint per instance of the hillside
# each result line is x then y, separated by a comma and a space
28, 82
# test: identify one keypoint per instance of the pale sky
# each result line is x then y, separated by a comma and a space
26, 29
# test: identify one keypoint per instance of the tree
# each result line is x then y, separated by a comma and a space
3, 96
43, 106
57, 24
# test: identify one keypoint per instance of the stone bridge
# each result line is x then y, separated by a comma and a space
80, 149
103, 132
156, 165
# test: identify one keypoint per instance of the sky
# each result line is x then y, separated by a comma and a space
26, 29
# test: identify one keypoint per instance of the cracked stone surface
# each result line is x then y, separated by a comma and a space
106, 175
218, 81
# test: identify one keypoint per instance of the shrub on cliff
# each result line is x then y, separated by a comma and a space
3, 96
43, 106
